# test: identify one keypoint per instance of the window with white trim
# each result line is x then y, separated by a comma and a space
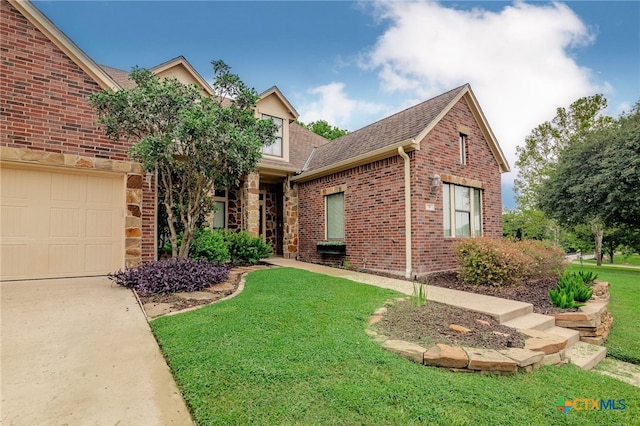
463, 148
462, 206
220, 210
334, 216
275, 148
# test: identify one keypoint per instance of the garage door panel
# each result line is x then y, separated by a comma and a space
98, 257
64, 222
14, 259
99, 223
15, 221
100, 190
14, 184
67, 187
64, 258
57, 224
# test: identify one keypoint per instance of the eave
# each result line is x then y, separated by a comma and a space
369, 157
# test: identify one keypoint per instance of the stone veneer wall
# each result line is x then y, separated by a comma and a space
290, 231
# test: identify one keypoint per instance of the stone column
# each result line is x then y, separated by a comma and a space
252, 203
290, 232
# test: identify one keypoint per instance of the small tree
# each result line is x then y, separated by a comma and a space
324, 129
193, 142
597, 180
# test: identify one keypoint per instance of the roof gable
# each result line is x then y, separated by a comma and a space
274, 92
182, 70
408, 127
64, 43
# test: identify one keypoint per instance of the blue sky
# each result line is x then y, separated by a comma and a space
352, 63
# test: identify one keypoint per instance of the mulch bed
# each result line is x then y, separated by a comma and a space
429, 324
534, 292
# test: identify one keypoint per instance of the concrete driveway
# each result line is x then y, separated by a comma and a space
80, 352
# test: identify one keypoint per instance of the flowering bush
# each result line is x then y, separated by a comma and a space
501, 262
170, 276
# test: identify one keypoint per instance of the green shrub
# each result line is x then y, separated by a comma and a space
497, 263
544, 261
245, 248
210, 245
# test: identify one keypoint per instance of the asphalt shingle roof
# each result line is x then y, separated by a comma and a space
121, 77
399, 127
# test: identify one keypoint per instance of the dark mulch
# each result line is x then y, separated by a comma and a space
429, 324
534, 292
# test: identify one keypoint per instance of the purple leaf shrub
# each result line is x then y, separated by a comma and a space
170, 276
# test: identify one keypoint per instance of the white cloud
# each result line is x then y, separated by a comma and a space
334, 106
518, 60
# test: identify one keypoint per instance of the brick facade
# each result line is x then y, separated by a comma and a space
373, 217
374, 202
45, 119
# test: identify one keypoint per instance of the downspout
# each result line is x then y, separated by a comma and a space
407, 210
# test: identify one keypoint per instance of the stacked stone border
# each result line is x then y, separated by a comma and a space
593, 321
541, 348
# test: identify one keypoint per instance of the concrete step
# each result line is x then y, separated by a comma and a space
572, 336
586, 355
500, 309
531, 321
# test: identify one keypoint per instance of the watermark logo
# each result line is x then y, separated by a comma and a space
588, 404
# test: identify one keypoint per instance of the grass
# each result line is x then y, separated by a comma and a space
624, 304
291, 349
618, 259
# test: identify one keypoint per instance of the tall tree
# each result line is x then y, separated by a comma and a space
192, 141
539, 155
324, 129
597, 180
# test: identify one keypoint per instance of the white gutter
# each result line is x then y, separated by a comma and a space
368, 157
407, 210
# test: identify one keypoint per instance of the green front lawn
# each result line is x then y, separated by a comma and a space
624, 305
618, 259
291, 349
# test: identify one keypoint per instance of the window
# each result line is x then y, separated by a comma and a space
275, 148
220, 211
462, 208
334, 216
463, 148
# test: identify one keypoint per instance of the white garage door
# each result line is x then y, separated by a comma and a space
60, 224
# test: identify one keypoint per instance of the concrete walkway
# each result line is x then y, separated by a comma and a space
80, 352
501, 309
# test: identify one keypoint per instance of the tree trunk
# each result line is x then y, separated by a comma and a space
168, 205
598, 232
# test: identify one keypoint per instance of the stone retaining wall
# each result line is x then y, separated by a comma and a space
540, 349
593, 321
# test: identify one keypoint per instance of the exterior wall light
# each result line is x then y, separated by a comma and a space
435, 183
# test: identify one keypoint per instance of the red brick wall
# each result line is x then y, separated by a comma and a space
439, 153
374, 216
43, 104
374, 203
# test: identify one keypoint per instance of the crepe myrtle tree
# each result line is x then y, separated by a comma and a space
193, 142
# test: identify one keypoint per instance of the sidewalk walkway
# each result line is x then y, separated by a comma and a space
501, 309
